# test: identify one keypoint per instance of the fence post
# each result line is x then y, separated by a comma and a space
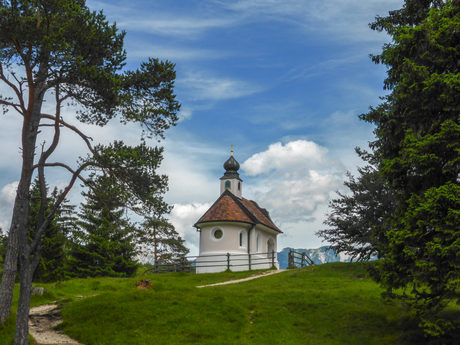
273, 258
304, 260
228, 261
290, 258
182, 264
249, 257
156, 266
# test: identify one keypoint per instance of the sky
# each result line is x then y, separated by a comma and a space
282, 80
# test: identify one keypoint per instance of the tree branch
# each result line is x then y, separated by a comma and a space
46, 222
17, 91
73, 128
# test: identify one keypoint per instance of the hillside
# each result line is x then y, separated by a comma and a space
327, 304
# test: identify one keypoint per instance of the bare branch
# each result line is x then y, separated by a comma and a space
73, 128
76, 174
17, 91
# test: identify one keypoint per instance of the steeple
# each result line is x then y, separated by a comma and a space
231, 179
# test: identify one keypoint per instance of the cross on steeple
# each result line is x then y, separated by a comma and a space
232, 148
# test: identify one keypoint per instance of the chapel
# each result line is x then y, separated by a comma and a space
235, 232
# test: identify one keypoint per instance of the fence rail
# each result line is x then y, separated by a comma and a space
298, 259
227, 261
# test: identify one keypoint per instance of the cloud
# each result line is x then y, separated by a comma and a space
183, 216
7, 197
173, 26
301, 154
201, 86
346, 19
294, 179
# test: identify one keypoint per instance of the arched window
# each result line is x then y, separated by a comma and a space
239, 185
228, 184
243, 238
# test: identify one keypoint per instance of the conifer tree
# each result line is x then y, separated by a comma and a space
418, 142
103, 245
53, 248
62, 52
159, 240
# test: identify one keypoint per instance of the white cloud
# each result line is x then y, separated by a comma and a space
7, 197
138, 49
183, 216
185, 114
300, 154
201, 86
294, 179
346, 19
173, 26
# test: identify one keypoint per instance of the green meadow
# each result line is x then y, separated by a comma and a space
328, 304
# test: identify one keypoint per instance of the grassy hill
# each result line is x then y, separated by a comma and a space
328, 304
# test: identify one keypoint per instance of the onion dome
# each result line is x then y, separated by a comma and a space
231, 165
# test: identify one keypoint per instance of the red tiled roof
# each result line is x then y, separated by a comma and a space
230, 208
261, 214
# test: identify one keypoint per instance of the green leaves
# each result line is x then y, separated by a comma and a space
418, 135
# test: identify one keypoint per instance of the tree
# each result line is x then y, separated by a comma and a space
358, 221
159, 239
52, 264
62, 51
418, 132
103, 244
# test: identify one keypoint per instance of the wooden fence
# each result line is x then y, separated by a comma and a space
227, 261
296, 259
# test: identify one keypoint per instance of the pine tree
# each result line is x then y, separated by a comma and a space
418, 141
52, 264
160, 240
103, 244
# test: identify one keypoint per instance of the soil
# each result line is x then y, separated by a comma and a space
42, 319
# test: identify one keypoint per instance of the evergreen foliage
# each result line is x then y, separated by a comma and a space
418, 132
358, 222
53, 250
103, 245
160, 240
61, 51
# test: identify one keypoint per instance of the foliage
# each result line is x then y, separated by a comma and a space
358, 221
103, 244
53, 251
418, 132
159, 240
61, 52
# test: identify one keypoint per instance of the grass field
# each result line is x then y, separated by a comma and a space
328, 304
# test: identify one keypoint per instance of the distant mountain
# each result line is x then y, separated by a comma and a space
319, 256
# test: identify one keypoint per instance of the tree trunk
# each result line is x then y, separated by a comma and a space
18, 234
21, 336
9, 269
20, 223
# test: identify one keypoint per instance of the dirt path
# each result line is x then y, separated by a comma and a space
255, 276
42, 319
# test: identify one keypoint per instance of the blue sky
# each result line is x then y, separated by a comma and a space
283, 80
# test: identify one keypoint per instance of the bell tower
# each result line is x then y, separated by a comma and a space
231, 179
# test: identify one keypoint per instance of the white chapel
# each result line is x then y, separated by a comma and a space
235, 233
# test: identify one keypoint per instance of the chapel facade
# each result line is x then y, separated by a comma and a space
235, 232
